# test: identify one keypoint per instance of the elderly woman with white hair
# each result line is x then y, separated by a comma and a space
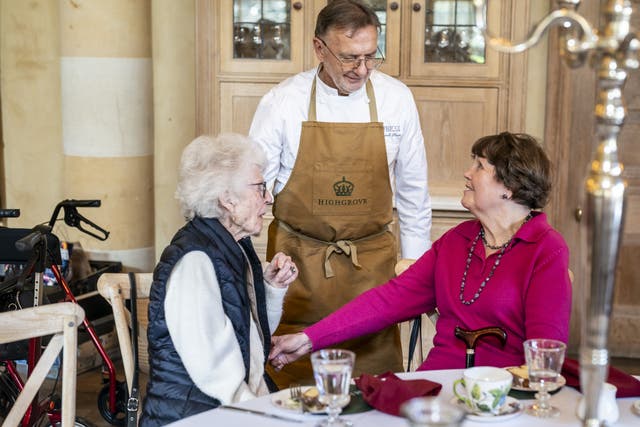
213, 306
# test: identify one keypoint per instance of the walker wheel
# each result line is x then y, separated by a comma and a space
122, 396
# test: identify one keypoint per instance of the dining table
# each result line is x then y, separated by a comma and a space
566, 399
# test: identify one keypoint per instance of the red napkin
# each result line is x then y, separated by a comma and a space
386, 392
627, 385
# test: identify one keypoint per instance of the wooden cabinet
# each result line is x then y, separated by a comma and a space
462, 89
240, 101
448, 144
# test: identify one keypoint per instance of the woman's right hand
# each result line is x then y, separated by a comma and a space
288, 348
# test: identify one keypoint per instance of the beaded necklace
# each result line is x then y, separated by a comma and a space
502, 248
495, 248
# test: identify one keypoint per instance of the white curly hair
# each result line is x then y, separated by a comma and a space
212, 166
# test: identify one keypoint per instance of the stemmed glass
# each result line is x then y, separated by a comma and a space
332, 370
544, 361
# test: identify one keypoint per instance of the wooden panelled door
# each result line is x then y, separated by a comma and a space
570, 140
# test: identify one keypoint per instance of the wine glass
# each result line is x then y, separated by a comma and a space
544, 361
332, 370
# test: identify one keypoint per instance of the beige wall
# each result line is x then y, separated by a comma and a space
174, 106
31, 114
82, 98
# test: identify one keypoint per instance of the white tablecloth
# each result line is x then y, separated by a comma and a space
566, 399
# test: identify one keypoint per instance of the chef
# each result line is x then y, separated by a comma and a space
341, 140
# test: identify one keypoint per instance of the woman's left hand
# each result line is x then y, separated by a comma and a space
281, 271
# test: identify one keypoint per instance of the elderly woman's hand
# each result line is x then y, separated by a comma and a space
281, 271
288, 348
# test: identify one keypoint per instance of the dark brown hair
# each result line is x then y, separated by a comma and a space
351, 15
521, 165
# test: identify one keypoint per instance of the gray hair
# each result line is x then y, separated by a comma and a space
349, 15
211, 167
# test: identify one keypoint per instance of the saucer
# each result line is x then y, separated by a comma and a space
282, 399
511, 409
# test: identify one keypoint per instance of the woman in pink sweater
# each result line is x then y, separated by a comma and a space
506, 268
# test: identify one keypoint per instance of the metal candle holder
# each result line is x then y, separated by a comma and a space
613, 49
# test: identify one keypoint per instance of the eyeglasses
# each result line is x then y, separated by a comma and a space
262, 190
371, 63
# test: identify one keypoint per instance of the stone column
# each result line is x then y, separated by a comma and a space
107, 123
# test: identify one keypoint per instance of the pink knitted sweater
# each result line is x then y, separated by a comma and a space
529, 296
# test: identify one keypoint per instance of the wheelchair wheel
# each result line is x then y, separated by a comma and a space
122, 395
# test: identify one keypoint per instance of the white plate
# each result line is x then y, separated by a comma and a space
511, 409
282, 400
562, 381
635, 407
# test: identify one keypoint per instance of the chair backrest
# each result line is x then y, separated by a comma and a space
61, 320
400, 268
115, 288
426, 331
403, 264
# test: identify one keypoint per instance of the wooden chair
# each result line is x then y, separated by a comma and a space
115, 288
61, 320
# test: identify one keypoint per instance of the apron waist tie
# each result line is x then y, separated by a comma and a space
342, 246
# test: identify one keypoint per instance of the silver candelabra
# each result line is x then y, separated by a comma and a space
612, 49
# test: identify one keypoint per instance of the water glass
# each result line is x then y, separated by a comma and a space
431, 412
544, 361
332, 370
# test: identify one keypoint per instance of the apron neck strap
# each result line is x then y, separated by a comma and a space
312, 102
373, 109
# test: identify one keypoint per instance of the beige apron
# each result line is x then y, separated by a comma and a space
331, 218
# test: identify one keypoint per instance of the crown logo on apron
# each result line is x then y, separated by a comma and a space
343, 188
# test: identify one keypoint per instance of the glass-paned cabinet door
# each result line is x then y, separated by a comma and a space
446, 43
261, 33
388, 13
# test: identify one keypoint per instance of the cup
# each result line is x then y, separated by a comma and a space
607, 407
484, 389
431, 412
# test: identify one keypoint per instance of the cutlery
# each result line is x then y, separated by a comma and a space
264, 414
296, 395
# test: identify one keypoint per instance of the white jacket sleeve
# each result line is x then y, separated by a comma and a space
266, 130
275, 298
201, 332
